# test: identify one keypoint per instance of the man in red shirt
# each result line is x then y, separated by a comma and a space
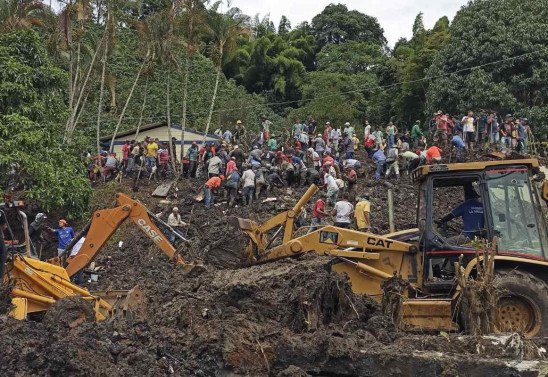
441, 129
125, 153
328, 159
211, 185
318, 213
351, 178
230, 166
433, 155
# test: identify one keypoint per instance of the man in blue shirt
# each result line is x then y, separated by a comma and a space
380, 159
459, 146
472, 215
65, 234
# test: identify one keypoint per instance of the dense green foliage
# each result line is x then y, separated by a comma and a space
29, 84
31, 104
488, 31
103, 67
50, 174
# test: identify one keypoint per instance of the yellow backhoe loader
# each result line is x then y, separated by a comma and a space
37, 285
513, 196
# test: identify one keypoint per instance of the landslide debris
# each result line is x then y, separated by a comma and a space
292, 317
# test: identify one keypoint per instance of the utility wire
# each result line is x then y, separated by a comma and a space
426, 78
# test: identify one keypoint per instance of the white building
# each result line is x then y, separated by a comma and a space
158, 130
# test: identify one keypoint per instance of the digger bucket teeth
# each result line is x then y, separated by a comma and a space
125, 304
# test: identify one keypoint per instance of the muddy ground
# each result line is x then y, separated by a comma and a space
293, 317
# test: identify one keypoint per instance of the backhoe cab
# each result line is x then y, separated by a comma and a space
504, 199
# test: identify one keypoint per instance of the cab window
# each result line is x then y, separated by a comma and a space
515, 216
457, 211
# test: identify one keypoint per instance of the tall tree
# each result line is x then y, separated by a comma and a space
21, 14
285, 26
507, 85
418, 24
336, 24
193, 24
226, 28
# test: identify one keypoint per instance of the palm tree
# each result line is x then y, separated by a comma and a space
144, 31
226, 28
21, 14
193, 24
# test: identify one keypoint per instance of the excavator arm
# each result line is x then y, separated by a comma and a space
368, 260
105, 222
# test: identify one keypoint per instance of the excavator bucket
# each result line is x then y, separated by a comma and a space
243, 224
125, 304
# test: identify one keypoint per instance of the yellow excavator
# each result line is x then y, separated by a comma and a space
512, 195
37, 285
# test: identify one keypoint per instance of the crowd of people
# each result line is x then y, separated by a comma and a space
305, 154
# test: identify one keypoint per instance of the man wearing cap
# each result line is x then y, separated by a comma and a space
348, 129
231, 166
174, 220
239, 132
361, 213
327, 132
192, 155
212, 184
334, 139
65, 234
351, 179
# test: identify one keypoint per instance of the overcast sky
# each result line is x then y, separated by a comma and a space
395, 16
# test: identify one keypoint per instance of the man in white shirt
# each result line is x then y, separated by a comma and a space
248, 185
410, 161
348, 129
335, 137
468, 130
174, 220
214, 165
367, 131
332, 189
343, 212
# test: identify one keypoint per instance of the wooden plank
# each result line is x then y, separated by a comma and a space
162, 190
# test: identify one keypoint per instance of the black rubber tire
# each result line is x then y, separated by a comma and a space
525, 289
